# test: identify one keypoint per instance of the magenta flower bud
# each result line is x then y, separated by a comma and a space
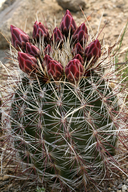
55, 69
39, 30
48, 50
78, 56
80, 35
74, 70
32, 50
19, 38
47, 60
27, 63
67, 24
57, 36
78, 49
93, 51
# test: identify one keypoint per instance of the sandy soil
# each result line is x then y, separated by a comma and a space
110, 14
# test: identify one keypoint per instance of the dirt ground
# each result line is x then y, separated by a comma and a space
110, 14
106, 16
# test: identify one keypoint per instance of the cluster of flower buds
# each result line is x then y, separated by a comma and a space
82, 53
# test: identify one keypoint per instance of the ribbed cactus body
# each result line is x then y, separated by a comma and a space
65, 131
63, 116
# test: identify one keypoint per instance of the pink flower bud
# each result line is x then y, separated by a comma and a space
39, 30
74, 70
48, 50
57, 36
47, 60
78, 49
67, 24
54, 68
80, 35
78, 56
32, 50
27, 63
93, 51
19, 38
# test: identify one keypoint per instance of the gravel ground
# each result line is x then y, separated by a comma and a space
120, 185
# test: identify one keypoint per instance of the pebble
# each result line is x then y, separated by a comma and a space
120, 186
124, 188
105, 14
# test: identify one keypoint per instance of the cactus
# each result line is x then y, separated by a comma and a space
63, 114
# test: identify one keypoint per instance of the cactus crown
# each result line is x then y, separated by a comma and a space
64, 116
67, 42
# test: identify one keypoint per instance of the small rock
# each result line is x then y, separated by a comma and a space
124, 188
118, 191
125, 182
105, 14
106, 21
119, 6
72, 5
120, 186
4, 177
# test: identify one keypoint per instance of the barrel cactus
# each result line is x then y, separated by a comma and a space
64, 117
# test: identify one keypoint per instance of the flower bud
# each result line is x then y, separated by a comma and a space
47, 50
80, 35
27, 63
78, 49
57, 36
39, 30
47, 60
93, 51
67, 24
74, 70
54, 68
19, 38
32, 50
78, 56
